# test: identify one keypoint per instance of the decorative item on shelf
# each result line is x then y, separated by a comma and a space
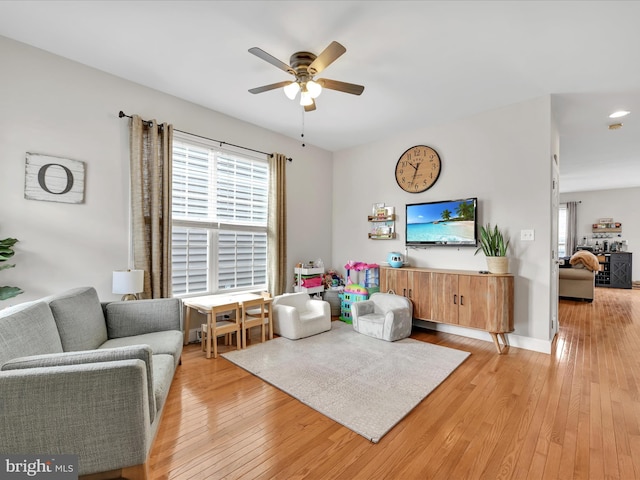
605, 227
394, 259
6, 252
494, 246
129, 283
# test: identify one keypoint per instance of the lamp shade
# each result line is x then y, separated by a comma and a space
292, 90
128, 281
314, 89
305, 98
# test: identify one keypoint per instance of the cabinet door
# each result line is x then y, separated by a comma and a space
486, 303
444, 298
621, 270
420, 294
473, 302
395, 279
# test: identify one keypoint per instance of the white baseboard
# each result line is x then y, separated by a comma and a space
518, 341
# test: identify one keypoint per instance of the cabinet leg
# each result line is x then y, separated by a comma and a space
496, 342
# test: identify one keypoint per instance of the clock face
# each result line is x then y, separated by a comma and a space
418, 169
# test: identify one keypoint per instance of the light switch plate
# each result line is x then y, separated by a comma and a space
527, 235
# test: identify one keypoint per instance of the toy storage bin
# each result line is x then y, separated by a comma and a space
333, 297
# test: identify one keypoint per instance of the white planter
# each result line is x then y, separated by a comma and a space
498, 264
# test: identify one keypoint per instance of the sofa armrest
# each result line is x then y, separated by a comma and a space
284, 311
127, 319
140, 352
319, 307
98, 411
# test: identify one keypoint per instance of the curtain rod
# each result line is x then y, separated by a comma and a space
121, 114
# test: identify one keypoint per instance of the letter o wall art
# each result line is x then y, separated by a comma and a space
53, 179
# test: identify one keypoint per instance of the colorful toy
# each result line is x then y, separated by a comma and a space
352, 293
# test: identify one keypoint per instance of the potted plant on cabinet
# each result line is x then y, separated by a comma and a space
6, 252
494, 245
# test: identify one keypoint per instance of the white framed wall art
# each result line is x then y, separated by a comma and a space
53, 179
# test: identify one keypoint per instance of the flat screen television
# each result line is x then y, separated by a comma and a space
448, 222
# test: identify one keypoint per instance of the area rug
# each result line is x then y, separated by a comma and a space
367, 385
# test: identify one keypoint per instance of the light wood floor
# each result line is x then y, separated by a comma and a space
522, 415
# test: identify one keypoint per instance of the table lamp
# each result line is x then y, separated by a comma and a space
129, 283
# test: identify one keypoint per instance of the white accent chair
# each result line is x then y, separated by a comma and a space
297, 315
384, 315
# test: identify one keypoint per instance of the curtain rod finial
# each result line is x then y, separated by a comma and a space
121, 114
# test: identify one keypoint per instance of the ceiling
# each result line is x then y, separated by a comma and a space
422, 63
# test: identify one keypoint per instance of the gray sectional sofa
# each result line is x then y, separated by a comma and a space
78, 376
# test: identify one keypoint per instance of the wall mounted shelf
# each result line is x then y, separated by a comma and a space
383, 227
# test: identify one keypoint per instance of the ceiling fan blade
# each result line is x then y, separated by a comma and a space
310, 108
258, 52
351, 88
326, 58
272, 86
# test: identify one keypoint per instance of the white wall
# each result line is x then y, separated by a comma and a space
503, 158
53, 106
621, 205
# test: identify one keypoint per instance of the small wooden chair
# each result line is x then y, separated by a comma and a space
267, 311
215, 328
253, 315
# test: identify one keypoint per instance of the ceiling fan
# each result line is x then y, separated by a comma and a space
304, 67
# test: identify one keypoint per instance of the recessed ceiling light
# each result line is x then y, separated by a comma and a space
619, 113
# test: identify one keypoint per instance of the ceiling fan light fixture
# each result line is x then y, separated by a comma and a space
619, 113
314, 89
305, 98
291, 90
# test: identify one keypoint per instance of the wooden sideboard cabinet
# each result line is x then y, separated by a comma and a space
456, 297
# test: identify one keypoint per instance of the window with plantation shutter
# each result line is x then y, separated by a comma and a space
219, 236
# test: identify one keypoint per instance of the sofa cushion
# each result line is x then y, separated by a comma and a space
163, 370
79, 317
127, 319
168, 342
28, 329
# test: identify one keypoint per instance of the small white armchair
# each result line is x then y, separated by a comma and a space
297, 315
385, 316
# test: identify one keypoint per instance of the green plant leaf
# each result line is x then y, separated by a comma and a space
8, 242
492, 242
9, 292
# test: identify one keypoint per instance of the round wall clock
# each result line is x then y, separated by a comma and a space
418, 169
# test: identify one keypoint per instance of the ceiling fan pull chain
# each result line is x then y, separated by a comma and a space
302, 134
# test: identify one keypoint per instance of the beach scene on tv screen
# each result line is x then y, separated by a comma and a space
444, 222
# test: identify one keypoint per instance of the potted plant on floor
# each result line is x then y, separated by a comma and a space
6, 252
494, 245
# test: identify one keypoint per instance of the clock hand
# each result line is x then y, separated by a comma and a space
414, 175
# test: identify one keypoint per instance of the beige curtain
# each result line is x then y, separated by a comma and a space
572, 228
277, 225
151, 146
